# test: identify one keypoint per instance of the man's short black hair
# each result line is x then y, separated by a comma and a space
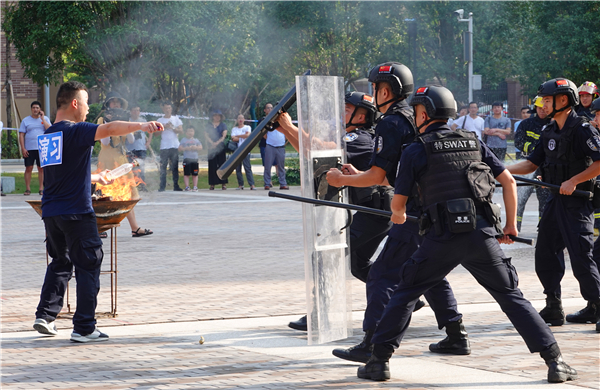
265, 106
166, 103
497, 104
190, 127
67, 92
36, 103
525, 108
473, 103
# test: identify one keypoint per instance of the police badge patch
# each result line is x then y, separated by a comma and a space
350, 137
379, 144
594, 143
551, 144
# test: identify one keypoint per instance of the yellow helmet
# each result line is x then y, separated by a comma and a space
537, 102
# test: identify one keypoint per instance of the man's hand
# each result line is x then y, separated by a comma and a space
399, 218
101, 178
334, 177
41, 115
567, 187
285, 121
151, 127
349, 169
25, 152
512, 230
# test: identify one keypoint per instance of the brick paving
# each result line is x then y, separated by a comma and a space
229, 265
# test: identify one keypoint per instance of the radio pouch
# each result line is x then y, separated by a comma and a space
460, 214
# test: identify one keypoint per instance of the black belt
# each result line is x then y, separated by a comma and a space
276, 146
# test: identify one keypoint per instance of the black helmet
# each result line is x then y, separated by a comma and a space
559, 87
595, 106
359, 99
438, 101
114, 95
397, 75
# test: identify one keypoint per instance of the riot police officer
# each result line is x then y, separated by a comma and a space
367, 230
569, 156
587, 91
393, 83
526, 140
460, 226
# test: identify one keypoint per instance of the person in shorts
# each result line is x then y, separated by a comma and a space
32, 126
190, 147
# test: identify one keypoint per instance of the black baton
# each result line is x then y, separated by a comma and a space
382, 213
580, 193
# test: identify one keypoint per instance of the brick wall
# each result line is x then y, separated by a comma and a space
25, 91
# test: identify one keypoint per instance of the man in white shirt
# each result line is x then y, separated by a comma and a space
471, 122
275, 154
31, 127
169, 145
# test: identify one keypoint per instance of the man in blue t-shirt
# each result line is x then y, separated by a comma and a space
72, 234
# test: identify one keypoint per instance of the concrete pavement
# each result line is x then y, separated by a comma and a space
228, 266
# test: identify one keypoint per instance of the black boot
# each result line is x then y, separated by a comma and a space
359, 353
376, 369
588, 315
598, 327
558, 370
299, 324
553, 313
457, 341
419, 305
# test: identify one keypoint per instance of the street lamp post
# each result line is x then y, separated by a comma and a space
459, 16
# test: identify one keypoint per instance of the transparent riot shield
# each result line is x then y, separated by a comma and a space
320, 101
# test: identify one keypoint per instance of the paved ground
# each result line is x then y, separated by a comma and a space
228, 266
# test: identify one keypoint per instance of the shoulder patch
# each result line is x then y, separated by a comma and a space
349, 137
594, 143
379, 144
586, 124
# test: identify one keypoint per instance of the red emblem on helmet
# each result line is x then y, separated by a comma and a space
385, 69
421, 91
561, 83
368, 98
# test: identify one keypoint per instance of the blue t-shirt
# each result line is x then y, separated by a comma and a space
494, 141
68, 186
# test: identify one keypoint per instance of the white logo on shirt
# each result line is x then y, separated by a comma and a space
551, 144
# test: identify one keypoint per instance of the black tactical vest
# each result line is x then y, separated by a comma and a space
561, 162
449, 154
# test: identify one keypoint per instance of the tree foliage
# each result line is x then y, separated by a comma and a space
225, 55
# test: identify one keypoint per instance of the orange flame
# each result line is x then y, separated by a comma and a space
121, 188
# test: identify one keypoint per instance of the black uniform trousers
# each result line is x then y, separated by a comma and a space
366, 233
72, 241
567, 221
480, 253
384, 278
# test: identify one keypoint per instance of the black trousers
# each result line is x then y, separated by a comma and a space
567, 222
384, 278
72, 241
169, 156
480, 253
366, 233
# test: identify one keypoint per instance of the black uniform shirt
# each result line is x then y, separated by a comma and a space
586, 141
359, 148
414, 162
585, 112
391, 133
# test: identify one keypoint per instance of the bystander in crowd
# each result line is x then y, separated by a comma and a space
32, 126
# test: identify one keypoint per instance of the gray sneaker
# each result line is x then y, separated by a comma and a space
95, 336
43, 327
